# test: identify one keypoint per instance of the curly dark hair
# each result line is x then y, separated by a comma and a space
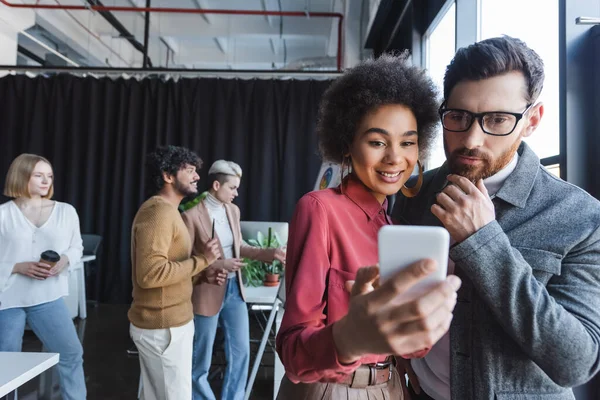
389, 79
169, 159
493, 57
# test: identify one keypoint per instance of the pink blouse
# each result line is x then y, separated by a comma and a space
332, 234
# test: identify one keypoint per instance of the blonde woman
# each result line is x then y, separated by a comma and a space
31, 291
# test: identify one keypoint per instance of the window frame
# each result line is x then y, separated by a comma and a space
468, 20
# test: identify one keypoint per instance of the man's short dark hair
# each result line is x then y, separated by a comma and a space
389, 79
493, 57
169, 159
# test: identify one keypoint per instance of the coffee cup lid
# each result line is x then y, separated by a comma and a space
50, 255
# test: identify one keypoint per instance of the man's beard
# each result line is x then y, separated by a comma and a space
186, 190
488, 166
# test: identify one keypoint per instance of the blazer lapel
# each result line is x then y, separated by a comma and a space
205, 221
206, 225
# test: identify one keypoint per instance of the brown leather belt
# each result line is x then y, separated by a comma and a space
369, 375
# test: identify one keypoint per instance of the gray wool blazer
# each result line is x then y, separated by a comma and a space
527, 322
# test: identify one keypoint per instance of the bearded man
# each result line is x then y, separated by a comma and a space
162, 268
525, 243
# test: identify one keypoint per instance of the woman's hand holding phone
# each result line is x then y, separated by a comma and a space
382, 321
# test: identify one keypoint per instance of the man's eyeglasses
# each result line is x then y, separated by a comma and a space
496, 123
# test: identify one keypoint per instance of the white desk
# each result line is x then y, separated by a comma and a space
76, 299
261, 294
267, 295
18, 368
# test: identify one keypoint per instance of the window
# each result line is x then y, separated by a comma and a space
440, 45
554, 169
536, 23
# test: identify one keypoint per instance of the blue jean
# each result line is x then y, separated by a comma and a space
53, 325
233, 319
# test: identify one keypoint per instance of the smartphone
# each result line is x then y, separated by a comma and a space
401, 245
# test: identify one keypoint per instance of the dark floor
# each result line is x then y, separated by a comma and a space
113, 374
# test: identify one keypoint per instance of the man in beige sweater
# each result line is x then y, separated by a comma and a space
161, 313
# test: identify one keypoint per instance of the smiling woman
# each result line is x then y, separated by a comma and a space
377, 119
385, 149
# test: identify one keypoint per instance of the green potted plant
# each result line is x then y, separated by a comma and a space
256, 272
253, 273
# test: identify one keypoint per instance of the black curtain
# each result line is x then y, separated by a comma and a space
97, 132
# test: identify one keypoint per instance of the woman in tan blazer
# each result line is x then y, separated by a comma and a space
222, 303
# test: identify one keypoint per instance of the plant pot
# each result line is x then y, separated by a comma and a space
271, 280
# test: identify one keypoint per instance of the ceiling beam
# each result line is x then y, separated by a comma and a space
189, 25
332, 43
201, 4
222, 44
68, 30
270, 5
172, 43
191, 54
275, 44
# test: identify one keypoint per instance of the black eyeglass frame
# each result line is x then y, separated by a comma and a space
479, 118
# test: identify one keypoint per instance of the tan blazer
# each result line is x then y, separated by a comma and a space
208, 298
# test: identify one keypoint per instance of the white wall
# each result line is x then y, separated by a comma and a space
12, 21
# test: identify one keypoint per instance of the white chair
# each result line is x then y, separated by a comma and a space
91, 245
279, 302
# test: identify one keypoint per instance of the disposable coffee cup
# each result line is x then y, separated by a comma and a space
50, 257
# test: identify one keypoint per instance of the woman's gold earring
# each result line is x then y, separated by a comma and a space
413, 191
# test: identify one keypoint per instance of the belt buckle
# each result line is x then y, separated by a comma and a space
384, 365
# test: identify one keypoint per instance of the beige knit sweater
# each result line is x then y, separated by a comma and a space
161, 267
